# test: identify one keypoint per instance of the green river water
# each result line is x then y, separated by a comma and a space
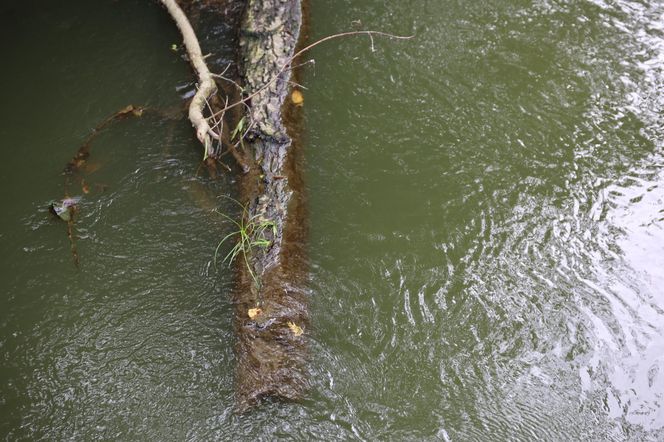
486, 243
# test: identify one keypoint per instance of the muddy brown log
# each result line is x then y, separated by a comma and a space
271, 302
271, 311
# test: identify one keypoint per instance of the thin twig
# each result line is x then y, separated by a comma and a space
296, 84
302, 51
214, 120
312, 61
228, 80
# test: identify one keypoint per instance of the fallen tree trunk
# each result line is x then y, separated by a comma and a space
271, 308
271, 303
271, 312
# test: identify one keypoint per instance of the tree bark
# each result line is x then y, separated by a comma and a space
271, 345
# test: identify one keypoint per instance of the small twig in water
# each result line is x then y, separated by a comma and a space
302, 51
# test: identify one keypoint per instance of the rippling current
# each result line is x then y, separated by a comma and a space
486, 208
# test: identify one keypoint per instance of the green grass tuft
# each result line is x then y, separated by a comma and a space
250, 233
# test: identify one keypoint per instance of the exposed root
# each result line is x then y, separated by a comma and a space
288, 64
206, 85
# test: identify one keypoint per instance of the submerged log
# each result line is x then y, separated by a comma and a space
271, 311
271, 302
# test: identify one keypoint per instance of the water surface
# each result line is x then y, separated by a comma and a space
137, 342
486, 229
487, 213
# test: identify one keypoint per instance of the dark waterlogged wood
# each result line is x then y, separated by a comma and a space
271, 311
271, 303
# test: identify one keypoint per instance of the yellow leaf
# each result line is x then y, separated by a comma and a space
297, 98
253, 312
296, 329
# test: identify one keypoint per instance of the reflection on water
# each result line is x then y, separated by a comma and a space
487, 203
486, 241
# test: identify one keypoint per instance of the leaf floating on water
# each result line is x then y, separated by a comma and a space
63, 214
296, 329
136, 111
297, 98
63, 208
125, 110
253, 312
70, 202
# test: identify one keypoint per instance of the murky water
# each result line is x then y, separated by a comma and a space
487, 209
486, 243
137, 343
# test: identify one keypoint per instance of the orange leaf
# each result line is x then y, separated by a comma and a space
297, 98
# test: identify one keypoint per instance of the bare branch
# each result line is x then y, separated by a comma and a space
206, 85
305, 49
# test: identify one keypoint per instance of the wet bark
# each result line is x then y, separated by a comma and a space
271, 302
271, 311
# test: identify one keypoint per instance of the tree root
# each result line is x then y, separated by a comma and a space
206, 85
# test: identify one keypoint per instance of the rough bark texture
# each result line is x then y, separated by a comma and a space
271, 312
271, 347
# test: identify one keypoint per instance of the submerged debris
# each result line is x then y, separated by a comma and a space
64, 209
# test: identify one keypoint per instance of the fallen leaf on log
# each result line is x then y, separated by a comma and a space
296, 329
297, 98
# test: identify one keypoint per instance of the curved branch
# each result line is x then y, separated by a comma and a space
206, 85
